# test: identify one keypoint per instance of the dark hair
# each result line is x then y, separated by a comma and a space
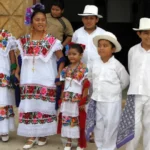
59, 3
112, 44
37, 10
78, 47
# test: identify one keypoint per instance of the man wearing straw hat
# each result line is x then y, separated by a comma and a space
137, 110
85, 34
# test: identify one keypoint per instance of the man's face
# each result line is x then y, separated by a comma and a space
90, 21
145, 37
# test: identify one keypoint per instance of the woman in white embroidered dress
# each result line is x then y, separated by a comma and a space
40, 53
7, 97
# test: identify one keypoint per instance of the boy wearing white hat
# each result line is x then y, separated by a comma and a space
85, 34
137, 111
109, 78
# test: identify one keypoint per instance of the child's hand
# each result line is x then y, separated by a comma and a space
82, 107
58, 83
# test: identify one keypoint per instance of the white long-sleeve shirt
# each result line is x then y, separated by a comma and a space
109, 79
139, 69
83, 37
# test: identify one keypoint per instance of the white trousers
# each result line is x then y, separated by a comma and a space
142, 120
107, 121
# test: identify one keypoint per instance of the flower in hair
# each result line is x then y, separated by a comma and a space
38, 6
30, 10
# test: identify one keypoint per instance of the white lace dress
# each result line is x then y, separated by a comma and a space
7, 96
71, 97
37, 117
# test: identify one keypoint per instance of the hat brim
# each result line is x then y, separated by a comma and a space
108, 38
99, 16
136, 29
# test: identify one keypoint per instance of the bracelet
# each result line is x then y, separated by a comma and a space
13, 66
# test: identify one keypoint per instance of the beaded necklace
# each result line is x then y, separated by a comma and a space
38, 44
72, 74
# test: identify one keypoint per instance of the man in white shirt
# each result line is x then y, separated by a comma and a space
85, 34
138, 63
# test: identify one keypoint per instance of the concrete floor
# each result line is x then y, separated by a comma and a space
54, 142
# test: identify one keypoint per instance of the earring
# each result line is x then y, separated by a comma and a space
31, 29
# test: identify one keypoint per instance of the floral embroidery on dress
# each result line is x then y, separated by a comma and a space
6, 112
70, 96
4, 34
4, 80
70, 121
38, 92
36, 118
78, 75
37, 47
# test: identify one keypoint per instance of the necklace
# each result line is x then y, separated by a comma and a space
72, 74
38, 45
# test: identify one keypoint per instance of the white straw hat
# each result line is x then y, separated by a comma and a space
91, 10
110, 37
144, 24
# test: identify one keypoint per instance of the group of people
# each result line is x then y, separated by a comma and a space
83, 97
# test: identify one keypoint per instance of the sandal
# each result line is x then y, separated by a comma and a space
68, 147
5, 138
30, 143
42, 142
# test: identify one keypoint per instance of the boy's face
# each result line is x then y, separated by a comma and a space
90, 21
105, 49
56, 11
145, 37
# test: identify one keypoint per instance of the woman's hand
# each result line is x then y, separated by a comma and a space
57, 81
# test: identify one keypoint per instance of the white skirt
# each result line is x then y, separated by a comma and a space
7, 96
7, 125
38, 130
70, 132
70, 109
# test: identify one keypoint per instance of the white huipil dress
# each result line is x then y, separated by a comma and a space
72, 95
37, 114
7, 95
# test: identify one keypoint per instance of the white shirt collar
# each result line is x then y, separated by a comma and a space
110, 60
144, 50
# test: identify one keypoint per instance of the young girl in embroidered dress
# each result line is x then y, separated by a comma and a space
40, 53
74, 98
7, 95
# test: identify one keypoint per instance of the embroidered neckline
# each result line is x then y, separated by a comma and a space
37, 47
79, 73
4, 35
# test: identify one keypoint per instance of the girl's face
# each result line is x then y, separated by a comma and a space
74, 56
105, 49
56, 11
39, 22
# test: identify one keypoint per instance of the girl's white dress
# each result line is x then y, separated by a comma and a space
72, 95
